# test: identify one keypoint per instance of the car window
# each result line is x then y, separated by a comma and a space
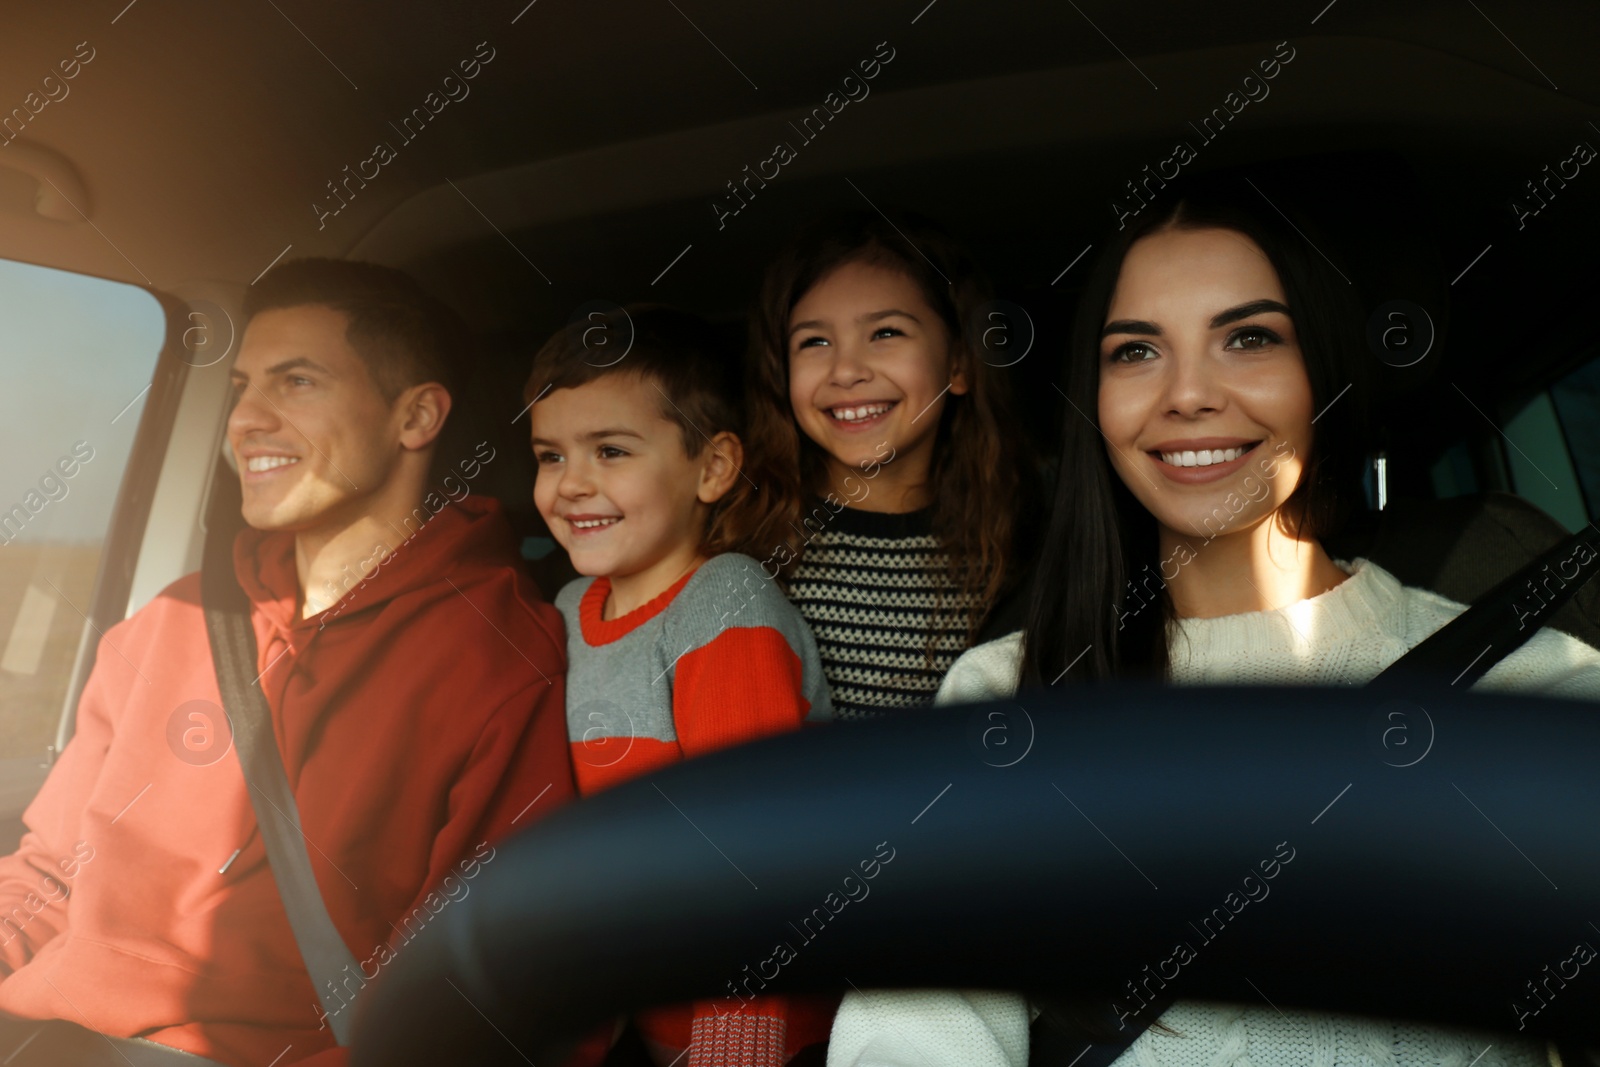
1542, 470
1543, 452
77, 355
1577, 404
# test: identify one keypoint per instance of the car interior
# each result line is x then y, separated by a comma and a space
621, 151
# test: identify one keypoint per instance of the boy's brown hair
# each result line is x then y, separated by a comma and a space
696, 374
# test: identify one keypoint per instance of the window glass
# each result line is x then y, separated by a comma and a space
1542, 471
1453, 474
1577, 401
77, 355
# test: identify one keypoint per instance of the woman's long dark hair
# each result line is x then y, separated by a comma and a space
982, 471
1084, 621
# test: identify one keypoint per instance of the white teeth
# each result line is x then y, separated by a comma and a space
1204, 457
866, 411
267, 463
590, 524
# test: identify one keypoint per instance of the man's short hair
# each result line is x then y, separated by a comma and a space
405, 335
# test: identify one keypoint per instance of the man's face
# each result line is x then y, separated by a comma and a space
313, 435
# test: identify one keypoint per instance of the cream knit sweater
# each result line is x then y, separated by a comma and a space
1346, 636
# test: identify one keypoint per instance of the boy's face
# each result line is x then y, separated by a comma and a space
614, 483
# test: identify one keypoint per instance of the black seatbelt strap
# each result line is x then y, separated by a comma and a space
1054, 1043
1502, 620
233, 649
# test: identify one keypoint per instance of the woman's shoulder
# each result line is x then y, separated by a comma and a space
1551, 662
1406, 613
990, 671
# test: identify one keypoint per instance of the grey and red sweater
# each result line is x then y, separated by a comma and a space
719, 658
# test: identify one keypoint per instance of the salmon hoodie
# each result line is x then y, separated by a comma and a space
420, 718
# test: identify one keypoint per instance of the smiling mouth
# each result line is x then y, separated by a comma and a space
1204, 457
592, 524
260, 464
858, 413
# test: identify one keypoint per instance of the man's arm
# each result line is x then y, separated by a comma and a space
518, 772
36, 880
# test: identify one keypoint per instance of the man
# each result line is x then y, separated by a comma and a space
415, 679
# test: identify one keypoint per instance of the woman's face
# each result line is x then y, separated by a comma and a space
1204, 400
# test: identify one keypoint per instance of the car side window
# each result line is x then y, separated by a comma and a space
1542, 466
1544, 451
1577, 404
77, 355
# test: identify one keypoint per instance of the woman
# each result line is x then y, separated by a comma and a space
1218, 386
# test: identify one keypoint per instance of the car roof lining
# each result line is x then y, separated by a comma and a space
190, 111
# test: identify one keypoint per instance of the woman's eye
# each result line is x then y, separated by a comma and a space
1252, 337
1132, 352
611, 452
810, 342
887, 331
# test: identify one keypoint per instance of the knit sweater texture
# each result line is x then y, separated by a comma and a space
1345, 636
719, 658
873, 586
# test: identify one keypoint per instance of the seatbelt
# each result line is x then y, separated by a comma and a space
1502, 620
233, 650
1463, 651
1064, 1044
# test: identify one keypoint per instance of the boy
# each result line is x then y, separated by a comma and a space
677, 644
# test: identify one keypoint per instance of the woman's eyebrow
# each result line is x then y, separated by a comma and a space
1244, 311
1132, 326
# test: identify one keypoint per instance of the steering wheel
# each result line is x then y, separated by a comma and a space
1433, 856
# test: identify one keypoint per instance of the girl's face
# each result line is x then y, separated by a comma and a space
1204, 399
870, 366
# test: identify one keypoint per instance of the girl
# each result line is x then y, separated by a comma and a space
895, 469
1217, 448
